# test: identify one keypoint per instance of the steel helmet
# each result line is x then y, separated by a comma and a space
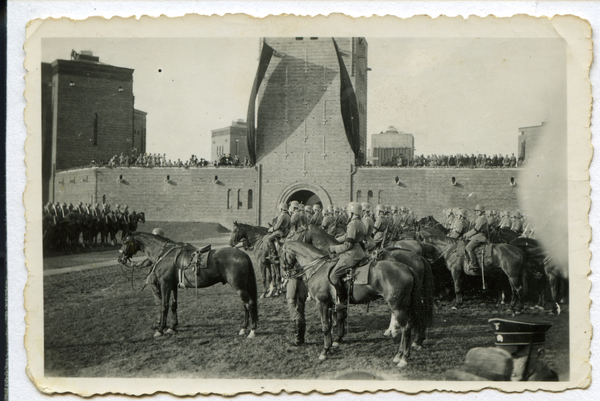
337, 209
355, 207
479, 208
505, 213
308, 208
449, 212
295, 203
330, 209
282, 206
366, 206
317, 207
379, 208
394, 208
517, 214
158, 231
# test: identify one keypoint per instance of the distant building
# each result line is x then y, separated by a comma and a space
528, 138
388, 146
230, 140
87, 113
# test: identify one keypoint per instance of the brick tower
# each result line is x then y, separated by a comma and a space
309, 103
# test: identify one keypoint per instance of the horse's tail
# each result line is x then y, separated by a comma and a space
251, 288
418, 310
428, 292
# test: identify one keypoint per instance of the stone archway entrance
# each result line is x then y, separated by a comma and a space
307, 194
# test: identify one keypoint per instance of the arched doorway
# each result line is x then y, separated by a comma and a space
305, 197
307, 194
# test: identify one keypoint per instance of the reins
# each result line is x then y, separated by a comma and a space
308, 266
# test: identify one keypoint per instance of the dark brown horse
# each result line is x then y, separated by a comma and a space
252, 237
320, 239
227, 265
397, 283
507, 258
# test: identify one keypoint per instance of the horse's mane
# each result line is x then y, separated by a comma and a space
258, 229
325, 233
440, 238
305, 246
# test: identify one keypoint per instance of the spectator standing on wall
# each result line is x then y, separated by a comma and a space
506, 162
513, 161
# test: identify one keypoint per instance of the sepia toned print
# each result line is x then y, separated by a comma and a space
225, 205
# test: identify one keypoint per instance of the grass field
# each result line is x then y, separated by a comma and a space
97, 325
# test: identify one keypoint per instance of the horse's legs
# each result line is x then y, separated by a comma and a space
393, 328
325, 327
265, 272
174, 310
553, 280
517, 293
246, 300
165, 291
457, 277
340, 318
404, 350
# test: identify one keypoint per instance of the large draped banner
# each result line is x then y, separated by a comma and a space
349, 105
265, 58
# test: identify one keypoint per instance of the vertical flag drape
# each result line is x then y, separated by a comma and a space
263, 64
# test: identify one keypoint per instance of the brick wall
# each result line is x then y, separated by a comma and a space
93, 112
190, 195
429, 190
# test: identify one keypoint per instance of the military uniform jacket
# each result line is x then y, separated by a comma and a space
329, 224
381, 224
505, 222
458, 228
282, 224
369, 223
317, 219
517, 226
480, 231
449, 222
351, 247
341, 220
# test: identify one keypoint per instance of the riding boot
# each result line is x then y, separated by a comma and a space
342, 296
472, 262
299, 329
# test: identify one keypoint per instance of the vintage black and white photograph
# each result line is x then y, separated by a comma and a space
381, 207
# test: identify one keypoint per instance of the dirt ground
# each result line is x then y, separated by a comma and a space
97, 323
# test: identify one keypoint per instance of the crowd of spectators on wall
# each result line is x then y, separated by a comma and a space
456, 161
156, 160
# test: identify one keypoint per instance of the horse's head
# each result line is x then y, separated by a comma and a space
288, 259
142, 217
237, 234
128, 249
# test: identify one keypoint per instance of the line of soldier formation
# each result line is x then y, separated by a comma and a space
68, 227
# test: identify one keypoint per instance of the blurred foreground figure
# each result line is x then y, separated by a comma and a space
517, 356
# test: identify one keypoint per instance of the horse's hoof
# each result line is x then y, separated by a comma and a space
252, 334
268, 295
335, 344
158, 334
170, 331
242, 332
387, 333
396, 359
416, 347
261, 296
322, 356
454, 308
402, 363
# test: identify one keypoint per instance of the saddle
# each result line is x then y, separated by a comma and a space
484, 252
359, 274
200, 259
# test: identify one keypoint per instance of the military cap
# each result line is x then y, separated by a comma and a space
512, 334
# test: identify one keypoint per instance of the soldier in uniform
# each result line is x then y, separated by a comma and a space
350, 251
296, 294
369, 223
396, 220
505, 220
380, 227
308, 213
328, 223
317, 217
410, 221
279, 230
477, 235
459, 226
517, 223
341, 219
295, 219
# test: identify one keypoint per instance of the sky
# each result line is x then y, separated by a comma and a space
453, 95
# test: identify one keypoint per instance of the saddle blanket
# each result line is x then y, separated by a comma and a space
361, 274
200, 258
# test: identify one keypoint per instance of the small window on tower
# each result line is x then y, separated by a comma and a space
299, 38
314, 38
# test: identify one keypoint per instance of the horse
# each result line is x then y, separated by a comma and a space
227, 265
431, 222
394, 281
408, 252
253, 237
504, 256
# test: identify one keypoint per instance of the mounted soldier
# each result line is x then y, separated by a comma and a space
396, 223
340, 218
517, 223
350, 251
450, 217
410, 221
476, 236
317, 217
369, 223
380, 227
296, 220
278, 231
329, 224
460, 225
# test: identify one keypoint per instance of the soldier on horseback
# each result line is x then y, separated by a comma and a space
505, 220
369, 223
317, 217
329, 224
380, 227
476, 236
517, 223
278, 231
459, 226
350, 251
